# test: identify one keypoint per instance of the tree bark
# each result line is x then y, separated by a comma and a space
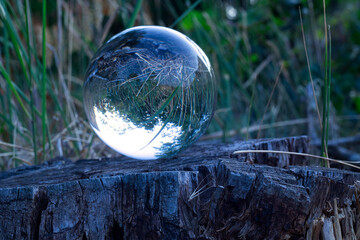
206, 192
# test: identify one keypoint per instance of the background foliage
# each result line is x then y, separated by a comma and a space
256, 48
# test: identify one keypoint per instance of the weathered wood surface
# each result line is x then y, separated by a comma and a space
203, 193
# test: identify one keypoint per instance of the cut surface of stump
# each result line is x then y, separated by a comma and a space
205, 192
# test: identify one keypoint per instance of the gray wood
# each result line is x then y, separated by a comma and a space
203, 193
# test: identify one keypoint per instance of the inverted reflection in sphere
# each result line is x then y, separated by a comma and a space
149, 92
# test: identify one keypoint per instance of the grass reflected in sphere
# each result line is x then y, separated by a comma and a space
149, 92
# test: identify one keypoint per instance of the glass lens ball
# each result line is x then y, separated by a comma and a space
149, 92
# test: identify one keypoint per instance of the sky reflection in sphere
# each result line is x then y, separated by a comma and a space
149, 92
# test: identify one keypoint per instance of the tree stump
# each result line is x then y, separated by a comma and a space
206, 192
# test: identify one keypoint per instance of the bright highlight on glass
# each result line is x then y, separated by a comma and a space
149, 92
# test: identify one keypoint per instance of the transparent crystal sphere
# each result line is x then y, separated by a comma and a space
149, 92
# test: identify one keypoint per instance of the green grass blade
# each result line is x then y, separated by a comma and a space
328, 88
165, 104
325, 91
157, 134
43, 87
309, 68
8, 91
182, 16
134, 14
16, 44
171, 114
33, 119
13, 90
